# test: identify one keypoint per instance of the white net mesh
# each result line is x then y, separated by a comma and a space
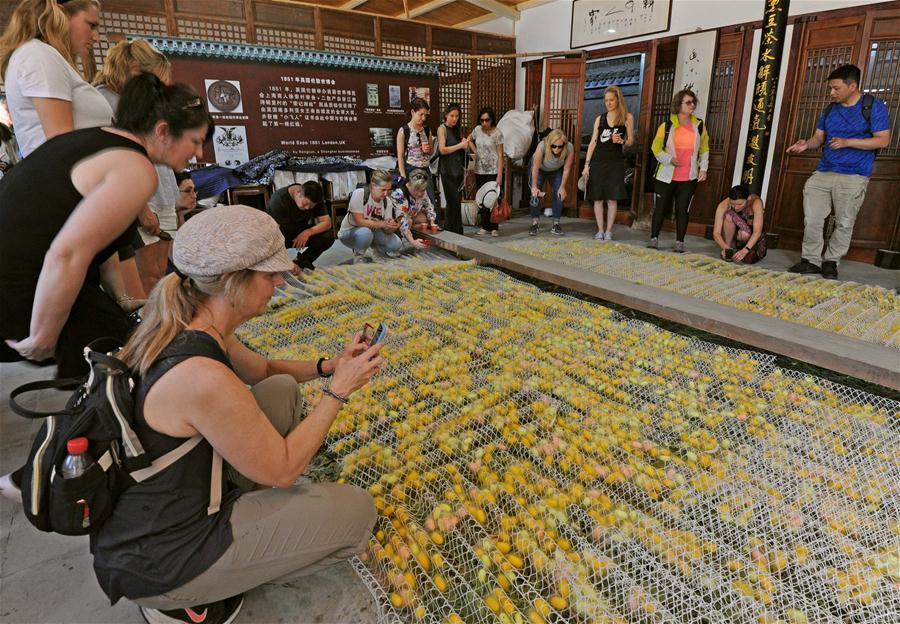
537, 458
869, 313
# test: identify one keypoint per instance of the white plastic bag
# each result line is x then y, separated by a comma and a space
518, 129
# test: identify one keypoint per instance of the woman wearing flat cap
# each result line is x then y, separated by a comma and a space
186, 543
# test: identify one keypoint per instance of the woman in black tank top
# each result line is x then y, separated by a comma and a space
198, 534
67, 208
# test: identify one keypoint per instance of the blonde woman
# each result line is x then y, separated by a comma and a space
370, 220
159, 219
605, 163
46, 94
413, 207
167, 545
552, 160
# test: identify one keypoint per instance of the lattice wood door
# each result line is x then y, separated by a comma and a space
660, 109
563, 107
723, 111
879, 222
824, 46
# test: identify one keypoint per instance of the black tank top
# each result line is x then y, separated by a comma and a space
159, 536
606, 149
36, 199
452, 164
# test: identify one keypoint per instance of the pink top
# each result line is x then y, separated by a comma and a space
684, 151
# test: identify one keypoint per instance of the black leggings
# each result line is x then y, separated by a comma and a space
682, 193
453, 195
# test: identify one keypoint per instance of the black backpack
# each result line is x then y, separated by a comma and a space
101, 409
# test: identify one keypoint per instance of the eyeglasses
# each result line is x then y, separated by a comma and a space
195, 103
557, 147
484, 119
192, 191
689, 102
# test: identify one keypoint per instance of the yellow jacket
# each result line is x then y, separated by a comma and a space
664, 154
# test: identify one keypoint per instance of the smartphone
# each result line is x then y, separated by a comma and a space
380, 333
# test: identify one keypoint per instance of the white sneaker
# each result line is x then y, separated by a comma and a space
392, 254
482, 232
10, 490
607, 236
360, 257
599, 236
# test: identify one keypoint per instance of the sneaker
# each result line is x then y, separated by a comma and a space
679, 247
9, 489
482, 232
653, 244
806, 267
607, 236
599, 236
533, 230
829, 269
495, 233
221, 612
360, 257
392, 254
556, 230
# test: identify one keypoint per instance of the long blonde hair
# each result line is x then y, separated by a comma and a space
173, 304
129, 57
621, 111
551, 138
44, 20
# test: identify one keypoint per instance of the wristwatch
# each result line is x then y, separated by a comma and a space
319, 370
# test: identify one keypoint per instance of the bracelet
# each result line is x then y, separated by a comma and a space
319, 369
328, 391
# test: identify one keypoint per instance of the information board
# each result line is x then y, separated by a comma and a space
258, 107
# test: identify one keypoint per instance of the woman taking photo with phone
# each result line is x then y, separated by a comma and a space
414, 146
227, 516
605, 162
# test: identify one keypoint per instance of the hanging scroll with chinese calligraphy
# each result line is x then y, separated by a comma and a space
765, 87
602, 21
693, 66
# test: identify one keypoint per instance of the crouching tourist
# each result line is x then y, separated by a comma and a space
187, 542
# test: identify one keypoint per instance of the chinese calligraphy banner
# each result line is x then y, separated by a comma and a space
602, 21
307, 111
694, 66
765, 87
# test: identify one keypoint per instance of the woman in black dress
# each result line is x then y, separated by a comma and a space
452, 146
605, 163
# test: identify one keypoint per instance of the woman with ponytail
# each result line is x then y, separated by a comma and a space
67, 208
38, 50
168, 546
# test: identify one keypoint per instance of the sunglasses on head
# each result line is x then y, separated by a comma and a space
195, 103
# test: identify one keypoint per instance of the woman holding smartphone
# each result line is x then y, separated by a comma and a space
605, 162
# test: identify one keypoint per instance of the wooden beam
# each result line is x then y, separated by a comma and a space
497, 8
428, 7
352, 4
474, 21
870, 362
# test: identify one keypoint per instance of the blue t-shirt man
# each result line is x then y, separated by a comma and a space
847, 122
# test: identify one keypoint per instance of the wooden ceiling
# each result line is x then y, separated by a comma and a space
455, 13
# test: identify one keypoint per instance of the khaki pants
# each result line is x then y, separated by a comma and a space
822, 191
280, 534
